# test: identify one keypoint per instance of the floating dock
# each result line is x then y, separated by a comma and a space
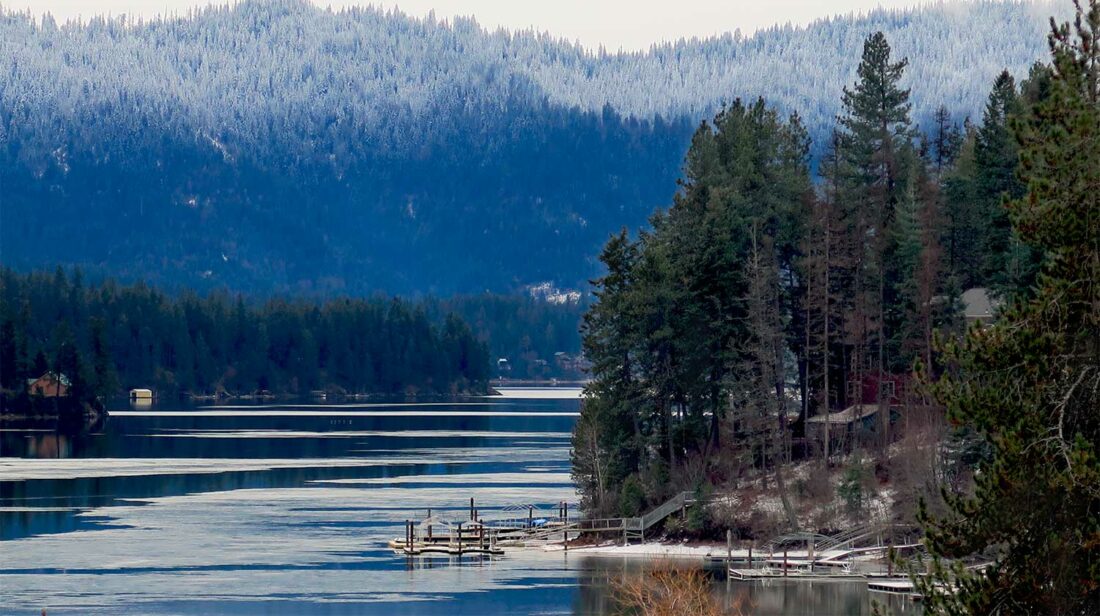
421, 549
768, 573
894, 587
863, 554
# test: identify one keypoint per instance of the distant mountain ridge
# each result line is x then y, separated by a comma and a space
277, 147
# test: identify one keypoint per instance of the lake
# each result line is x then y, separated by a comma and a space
263, 509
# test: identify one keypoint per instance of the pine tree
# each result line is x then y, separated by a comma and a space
9, 356
607, 437
40, 365
68, 363
911, 300
963, 230
104, 376
996, 157
1030, 383
946, 141
823, 275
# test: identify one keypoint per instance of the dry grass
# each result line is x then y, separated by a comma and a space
665, 588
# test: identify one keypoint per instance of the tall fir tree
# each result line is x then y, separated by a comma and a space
10, 377
996, 157
607, 445
877, 145
947, 140
963, 229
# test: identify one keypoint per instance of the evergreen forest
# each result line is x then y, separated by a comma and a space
274, 147
913, 339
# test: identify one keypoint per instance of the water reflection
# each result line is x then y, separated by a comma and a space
599, 576
48, 445
252, 513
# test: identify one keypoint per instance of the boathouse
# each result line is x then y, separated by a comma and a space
141, 394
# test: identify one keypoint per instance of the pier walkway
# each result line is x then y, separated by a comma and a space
435, 535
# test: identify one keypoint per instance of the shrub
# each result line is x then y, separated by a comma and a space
851, 488
671, 589
631, 497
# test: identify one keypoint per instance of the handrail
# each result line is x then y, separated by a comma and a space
634, 524
671, 505
637, 523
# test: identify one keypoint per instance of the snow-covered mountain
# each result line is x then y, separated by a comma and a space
367, 149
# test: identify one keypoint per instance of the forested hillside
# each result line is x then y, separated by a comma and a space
760, 300
278, 147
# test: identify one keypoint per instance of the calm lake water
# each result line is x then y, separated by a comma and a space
286, 509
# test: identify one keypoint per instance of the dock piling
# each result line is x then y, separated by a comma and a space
810, 552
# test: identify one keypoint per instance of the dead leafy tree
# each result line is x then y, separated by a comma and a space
757, 381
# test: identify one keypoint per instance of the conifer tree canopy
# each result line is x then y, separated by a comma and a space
1030, 383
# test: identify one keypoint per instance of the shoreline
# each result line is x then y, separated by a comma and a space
650, 549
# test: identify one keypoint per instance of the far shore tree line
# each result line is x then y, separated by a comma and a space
107, 337
110, 337
761, 302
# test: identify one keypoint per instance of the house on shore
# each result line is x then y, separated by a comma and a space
842, 423
49, 385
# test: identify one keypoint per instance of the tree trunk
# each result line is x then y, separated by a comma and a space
781, 485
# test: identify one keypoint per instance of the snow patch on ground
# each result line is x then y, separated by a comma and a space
650, 549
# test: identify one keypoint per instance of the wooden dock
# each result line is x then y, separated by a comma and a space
457, 539
476, 535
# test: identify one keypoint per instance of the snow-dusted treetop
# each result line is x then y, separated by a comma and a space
243, 74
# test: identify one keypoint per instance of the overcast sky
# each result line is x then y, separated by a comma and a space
615, 24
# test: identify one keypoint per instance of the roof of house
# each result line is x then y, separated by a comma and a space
49, 375
977, 304
851, 414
